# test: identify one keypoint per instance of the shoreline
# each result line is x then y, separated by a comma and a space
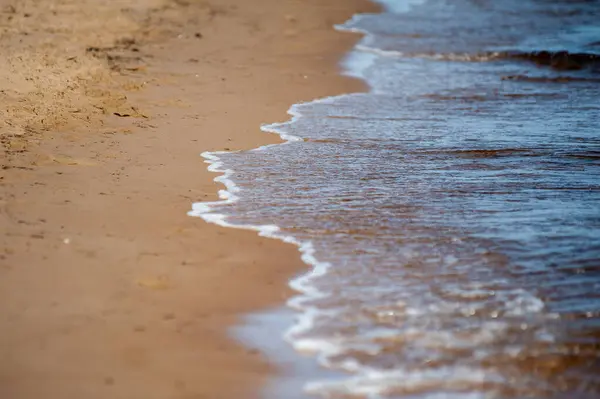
108, 274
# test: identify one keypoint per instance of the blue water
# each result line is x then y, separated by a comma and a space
453, 211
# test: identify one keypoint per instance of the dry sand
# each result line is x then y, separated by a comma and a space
107, 288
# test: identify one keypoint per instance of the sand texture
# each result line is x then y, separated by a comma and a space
107, 288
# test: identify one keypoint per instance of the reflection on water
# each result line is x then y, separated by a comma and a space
457, 205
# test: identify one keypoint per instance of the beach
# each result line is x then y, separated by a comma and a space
402, 201
107, 287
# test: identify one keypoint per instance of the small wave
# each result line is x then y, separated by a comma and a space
559, 60
550, 79
458, 57
587, 155
491, 153
492, 96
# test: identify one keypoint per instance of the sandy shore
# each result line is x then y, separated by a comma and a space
107, 288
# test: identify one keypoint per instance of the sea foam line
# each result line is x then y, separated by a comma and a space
302, 284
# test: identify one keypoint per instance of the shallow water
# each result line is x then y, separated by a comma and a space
452, 213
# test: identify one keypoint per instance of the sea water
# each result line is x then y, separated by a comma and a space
451, 214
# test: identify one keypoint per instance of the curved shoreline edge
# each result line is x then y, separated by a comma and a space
351, 65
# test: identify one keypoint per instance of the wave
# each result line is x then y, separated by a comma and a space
560, 60
551, 79
458, 57
557, 60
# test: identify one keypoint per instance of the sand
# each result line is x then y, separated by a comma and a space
107, 288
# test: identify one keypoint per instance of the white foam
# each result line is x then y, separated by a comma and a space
456, 57
302, 284
374, 384
356, 63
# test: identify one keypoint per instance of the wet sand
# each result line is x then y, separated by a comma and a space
107, 288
